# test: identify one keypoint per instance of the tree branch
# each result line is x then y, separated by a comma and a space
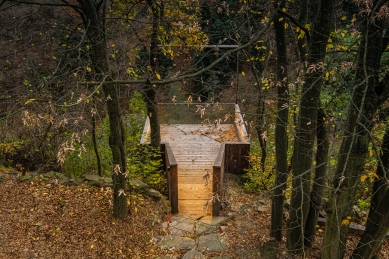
217, 61
65, 3
293, 20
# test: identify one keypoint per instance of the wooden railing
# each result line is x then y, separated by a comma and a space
217, 180
171, 168
240, 126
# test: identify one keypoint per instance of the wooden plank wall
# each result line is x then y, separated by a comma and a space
171, 167
236, 157
217, 181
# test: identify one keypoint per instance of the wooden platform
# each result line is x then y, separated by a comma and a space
195, 147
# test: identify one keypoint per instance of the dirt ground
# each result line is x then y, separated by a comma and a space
41, 219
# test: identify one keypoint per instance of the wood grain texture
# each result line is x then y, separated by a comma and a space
195, 147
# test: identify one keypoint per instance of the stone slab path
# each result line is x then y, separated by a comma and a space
194, 235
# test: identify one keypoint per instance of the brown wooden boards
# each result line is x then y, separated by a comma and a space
195, 148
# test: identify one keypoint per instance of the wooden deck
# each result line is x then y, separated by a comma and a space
195, 148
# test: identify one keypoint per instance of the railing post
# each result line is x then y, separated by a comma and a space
173, 188
217, 180
216, 189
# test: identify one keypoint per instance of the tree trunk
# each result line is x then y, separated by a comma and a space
94, 30
152, 111
319, 181
351, 160
370, 242
94, 141
306, 128
377, 227
281, 135
150, 92
260, 121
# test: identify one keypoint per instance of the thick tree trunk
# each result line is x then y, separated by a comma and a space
377, 227
281, 135
98, 55
306, 128
370, 243
319, 181
352, 154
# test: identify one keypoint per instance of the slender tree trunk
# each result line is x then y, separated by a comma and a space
98, 54
306, 128
320, 179
152, 110
260, 121
281, 135
303, 20
94, 141
369, 245
352, 154
150, 92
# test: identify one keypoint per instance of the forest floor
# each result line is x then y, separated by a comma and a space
41, 219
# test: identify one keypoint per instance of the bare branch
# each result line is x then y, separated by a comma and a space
217, 61
293, 20
64, 3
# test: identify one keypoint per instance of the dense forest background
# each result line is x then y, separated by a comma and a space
78, 79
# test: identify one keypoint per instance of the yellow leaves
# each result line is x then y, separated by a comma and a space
353, 19
89, 69
298, 29
327, 75
286, 25
92, 246
29, 101
243, 74
373, 175
343, 18
301, 35
329, 46
284, 9
346, 221
136, 209
281, 19
158, 76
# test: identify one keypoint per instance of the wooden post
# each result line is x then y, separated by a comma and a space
172, 168
217, 180
216, 190
174, 188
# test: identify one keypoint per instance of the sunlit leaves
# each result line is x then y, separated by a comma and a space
346, 221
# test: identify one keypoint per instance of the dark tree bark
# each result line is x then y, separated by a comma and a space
303, 20
150, 91
365, 101
281, 135
260, 118
319, 181
306, 128
377, 225
94, 141
98, 54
